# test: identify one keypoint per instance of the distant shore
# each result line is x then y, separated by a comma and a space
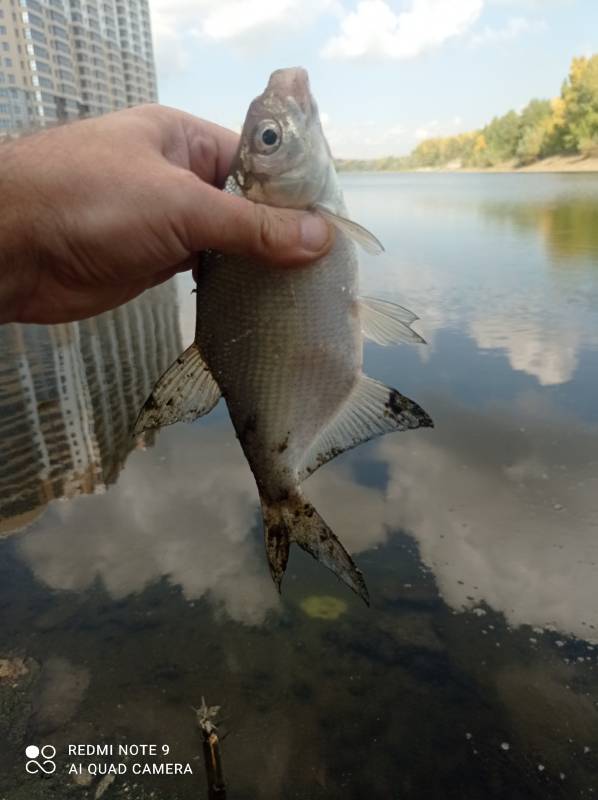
553, 164
574, 163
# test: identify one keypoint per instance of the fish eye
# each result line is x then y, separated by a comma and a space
267, 137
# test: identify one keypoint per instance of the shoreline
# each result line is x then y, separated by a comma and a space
554, 164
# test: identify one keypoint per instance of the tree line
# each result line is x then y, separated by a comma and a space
565, 125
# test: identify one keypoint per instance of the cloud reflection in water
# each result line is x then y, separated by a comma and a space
502, 516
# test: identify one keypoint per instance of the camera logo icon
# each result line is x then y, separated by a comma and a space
40, 759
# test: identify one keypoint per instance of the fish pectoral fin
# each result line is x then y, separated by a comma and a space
353, 230
185, 391
386, 323
296, 520
371, 409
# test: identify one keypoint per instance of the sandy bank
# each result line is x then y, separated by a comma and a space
553, 164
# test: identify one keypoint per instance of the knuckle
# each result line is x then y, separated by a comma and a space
271, 230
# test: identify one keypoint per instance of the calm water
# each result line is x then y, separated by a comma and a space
132, 575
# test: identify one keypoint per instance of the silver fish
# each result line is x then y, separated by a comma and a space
285, 347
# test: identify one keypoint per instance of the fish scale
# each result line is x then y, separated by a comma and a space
284, 347
289, 362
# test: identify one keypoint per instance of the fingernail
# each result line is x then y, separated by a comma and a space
314, 232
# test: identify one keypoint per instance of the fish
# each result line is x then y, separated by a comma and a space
284, 347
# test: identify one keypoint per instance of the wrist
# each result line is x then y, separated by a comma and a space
18, 256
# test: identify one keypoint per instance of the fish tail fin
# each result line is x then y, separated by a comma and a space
293, 519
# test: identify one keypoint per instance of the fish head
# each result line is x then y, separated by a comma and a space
283, 158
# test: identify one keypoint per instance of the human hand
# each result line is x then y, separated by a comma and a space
95, 212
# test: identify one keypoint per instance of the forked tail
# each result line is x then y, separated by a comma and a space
296, 520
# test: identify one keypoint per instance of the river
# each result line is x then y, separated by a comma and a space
132, 574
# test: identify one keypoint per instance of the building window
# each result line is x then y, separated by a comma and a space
34, 19
58, 31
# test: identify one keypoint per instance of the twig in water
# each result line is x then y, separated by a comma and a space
211, 750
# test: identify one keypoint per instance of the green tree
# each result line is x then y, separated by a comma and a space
502, 137
580, 96
534, 129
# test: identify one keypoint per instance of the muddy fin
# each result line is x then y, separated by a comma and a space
185, 391
353, 230
387, 323
296, 520
372, 409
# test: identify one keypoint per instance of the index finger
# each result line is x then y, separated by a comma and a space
212, 149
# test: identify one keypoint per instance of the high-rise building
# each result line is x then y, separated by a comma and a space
64, 59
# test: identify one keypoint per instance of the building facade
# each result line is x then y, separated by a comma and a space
66, 59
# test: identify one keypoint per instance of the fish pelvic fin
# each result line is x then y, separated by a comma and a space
386, 323
185, 391
293, 519
371, 410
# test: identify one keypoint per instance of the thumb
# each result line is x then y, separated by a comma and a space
234, 225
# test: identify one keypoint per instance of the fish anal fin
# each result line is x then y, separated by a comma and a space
353, 230
371, 410
293, 519
386, 323
185, 391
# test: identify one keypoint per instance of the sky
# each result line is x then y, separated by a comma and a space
385, 73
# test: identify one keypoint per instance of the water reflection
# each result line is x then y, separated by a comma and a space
514, 518
512, 262
63, 431
186, 513
478, 539
512, 524
568, 226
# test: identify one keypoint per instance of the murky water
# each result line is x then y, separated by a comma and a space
132, 575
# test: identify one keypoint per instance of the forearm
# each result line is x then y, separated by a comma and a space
18, 251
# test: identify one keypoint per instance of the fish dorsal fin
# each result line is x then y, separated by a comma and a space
387, 323
185, 391
352, 229
371, 410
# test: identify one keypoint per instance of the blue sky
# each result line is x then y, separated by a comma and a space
385, 73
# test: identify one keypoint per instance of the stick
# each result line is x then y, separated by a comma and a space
211, 750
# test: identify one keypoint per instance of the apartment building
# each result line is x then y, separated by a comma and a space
66, 59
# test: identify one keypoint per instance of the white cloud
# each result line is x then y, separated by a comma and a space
364, 140
374, 29
532, 4
514, 28
244, 23
237, 18
426, 130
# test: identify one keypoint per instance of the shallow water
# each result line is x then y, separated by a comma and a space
132, 575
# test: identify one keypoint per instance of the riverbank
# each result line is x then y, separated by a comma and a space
574, 163
554, 164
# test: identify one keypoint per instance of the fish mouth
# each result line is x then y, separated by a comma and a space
292, 82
